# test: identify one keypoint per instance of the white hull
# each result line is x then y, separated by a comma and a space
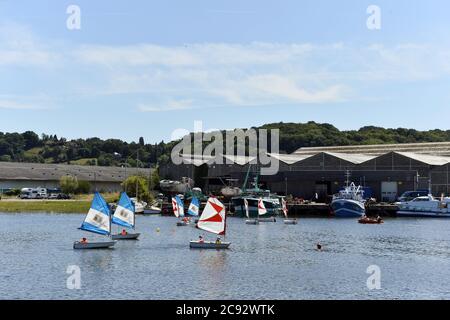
94, 245
128, 236
209, 245
425, 214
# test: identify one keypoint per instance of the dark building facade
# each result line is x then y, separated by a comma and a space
311, 171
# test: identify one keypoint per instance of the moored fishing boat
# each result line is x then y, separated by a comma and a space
349, 202
253, 195
97, 220
213, 220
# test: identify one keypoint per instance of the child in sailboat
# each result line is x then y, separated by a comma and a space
83, 240
200, 239
124, 232
218, 240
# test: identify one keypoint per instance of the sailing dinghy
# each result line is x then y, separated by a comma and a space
285, 211
178, 211
125, 216
262, 211
213, 220
247, 214
98, 220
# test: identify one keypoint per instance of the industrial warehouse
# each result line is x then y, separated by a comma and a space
17, 175
319, 172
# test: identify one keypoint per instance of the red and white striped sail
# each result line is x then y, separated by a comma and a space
246, 208
284, 207
213, 217
261, 207
175, 207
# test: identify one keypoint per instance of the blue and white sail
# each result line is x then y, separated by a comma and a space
194, 207
98, 219
125, 212
180, 205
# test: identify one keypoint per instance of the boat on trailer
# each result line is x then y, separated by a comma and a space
125, 216
97, 220
213, 220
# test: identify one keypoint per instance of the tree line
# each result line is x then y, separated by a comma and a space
30, 147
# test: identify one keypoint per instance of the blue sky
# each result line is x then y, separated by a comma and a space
146, 68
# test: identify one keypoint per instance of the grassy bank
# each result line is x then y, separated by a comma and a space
62, 206
79, 205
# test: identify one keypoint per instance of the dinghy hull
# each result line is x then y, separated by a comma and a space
251, 221
272, 219
209, 245
128, 236
290, 221
94, 245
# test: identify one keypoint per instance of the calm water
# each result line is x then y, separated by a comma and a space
272, 261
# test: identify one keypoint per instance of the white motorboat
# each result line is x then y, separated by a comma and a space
427, 206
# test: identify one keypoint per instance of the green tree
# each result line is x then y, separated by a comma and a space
137, 185
68, 184
154, 183
84, 187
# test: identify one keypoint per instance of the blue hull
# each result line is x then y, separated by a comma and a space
347, 209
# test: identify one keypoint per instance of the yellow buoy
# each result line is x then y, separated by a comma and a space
157, 229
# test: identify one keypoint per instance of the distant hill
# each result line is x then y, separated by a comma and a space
29, 147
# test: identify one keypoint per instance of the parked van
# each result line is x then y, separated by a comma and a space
33, 193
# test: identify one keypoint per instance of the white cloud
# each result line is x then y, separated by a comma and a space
171, 105
15, 105
20, 47
206, 75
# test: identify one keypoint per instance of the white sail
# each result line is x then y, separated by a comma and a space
246, 208
261, 207
213, 217
98, 218
284, 207
124, 213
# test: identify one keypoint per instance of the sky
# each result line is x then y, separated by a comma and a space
149, 68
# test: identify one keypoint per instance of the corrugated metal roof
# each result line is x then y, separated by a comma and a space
352, 157
432, 148
426, 158
53, 172
289, 158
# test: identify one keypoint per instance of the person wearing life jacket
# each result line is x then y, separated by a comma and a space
83, 240
124, 232
218, 241
200, 239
